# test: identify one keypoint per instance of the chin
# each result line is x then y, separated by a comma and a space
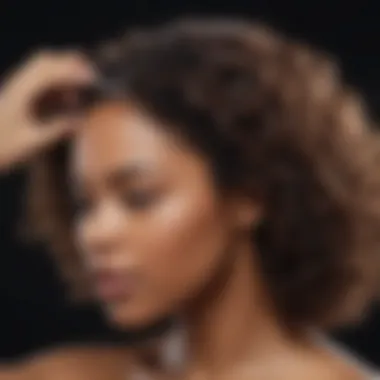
125, 318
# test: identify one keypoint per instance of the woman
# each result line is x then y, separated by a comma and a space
222, 174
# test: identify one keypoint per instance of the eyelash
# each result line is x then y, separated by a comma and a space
136, 200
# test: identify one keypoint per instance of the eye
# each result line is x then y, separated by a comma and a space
139, 199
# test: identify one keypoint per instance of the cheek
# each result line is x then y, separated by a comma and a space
103, 234
184, 242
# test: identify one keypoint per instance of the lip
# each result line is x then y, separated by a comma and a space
113, 286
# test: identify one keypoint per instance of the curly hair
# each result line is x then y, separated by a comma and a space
275, 121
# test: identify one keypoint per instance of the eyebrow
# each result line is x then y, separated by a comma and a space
120, 176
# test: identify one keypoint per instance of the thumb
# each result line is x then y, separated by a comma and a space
59, 129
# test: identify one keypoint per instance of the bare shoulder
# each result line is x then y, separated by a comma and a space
333, 367
95, 363
316, 363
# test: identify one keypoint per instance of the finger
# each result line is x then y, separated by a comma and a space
65, 69
34, 142
61, 128
66, 100
47, 70
41, 138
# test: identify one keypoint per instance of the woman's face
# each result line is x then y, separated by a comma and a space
151, 226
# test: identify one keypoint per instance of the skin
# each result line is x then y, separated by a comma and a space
149, 213
77, 363
152, 218
159, 239
21, 137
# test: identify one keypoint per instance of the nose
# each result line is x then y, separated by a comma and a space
102, 232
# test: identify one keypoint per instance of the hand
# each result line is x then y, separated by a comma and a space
22, 133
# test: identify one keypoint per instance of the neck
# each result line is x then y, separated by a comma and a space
235, 320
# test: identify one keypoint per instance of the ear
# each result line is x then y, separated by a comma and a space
246, 212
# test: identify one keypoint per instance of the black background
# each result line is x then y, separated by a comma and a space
33, 310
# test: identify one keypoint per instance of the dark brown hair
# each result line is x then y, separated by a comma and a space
275, 121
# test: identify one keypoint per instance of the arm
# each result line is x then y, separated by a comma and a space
22, 133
